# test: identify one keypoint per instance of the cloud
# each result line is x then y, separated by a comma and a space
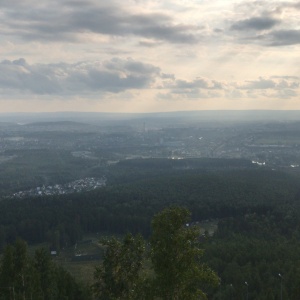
260, 84
266, 23
286, 94
168, 76
286, 77
286, 4
255, 23
116, 76
68, 21
198, 83
149, 44
113, 76
18, 75
190, 94
276, 38
283, 37
266, 8
14, 3
263, 84
135, 67
274, 86
198, 88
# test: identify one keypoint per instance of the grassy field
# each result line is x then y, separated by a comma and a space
80, 260
89, 251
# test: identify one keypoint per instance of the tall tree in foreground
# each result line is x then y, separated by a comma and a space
118, 276
175, 254
46, 274
175, 273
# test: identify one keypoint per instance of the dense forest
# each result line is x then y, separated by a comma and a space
256, 209
25, 277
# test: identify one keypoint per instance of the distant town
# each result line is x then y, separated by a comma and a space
39, 158
77, 186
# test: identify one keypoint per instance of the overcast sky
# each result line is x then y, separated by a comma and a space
149, 55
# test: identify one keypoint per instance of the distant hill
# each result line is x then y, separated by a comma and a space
180, 116
56, 123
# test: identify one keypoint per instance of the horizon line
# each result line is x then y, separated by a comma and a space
155, 112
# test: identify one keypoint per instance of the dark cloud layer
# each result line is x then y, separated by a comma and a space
271, 23
112, 76
276, 38
284, 37
255, 23
72, 20
118, 75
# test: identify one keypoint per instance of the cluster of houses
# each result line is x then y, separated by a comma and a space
81, 185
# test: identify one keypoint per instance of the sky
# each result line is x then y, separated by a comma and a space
149, 55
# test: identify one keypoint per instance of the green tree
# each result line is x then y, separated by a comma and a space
7, 272
22, 277
118, 276
21, 266
46, 274
176, 254
17, 274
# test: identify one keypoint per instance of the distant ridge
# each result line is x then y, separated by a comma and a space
198, 116
56, 123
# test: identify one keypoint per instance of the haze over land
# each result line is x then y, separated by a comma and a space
54, 149
149, 56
